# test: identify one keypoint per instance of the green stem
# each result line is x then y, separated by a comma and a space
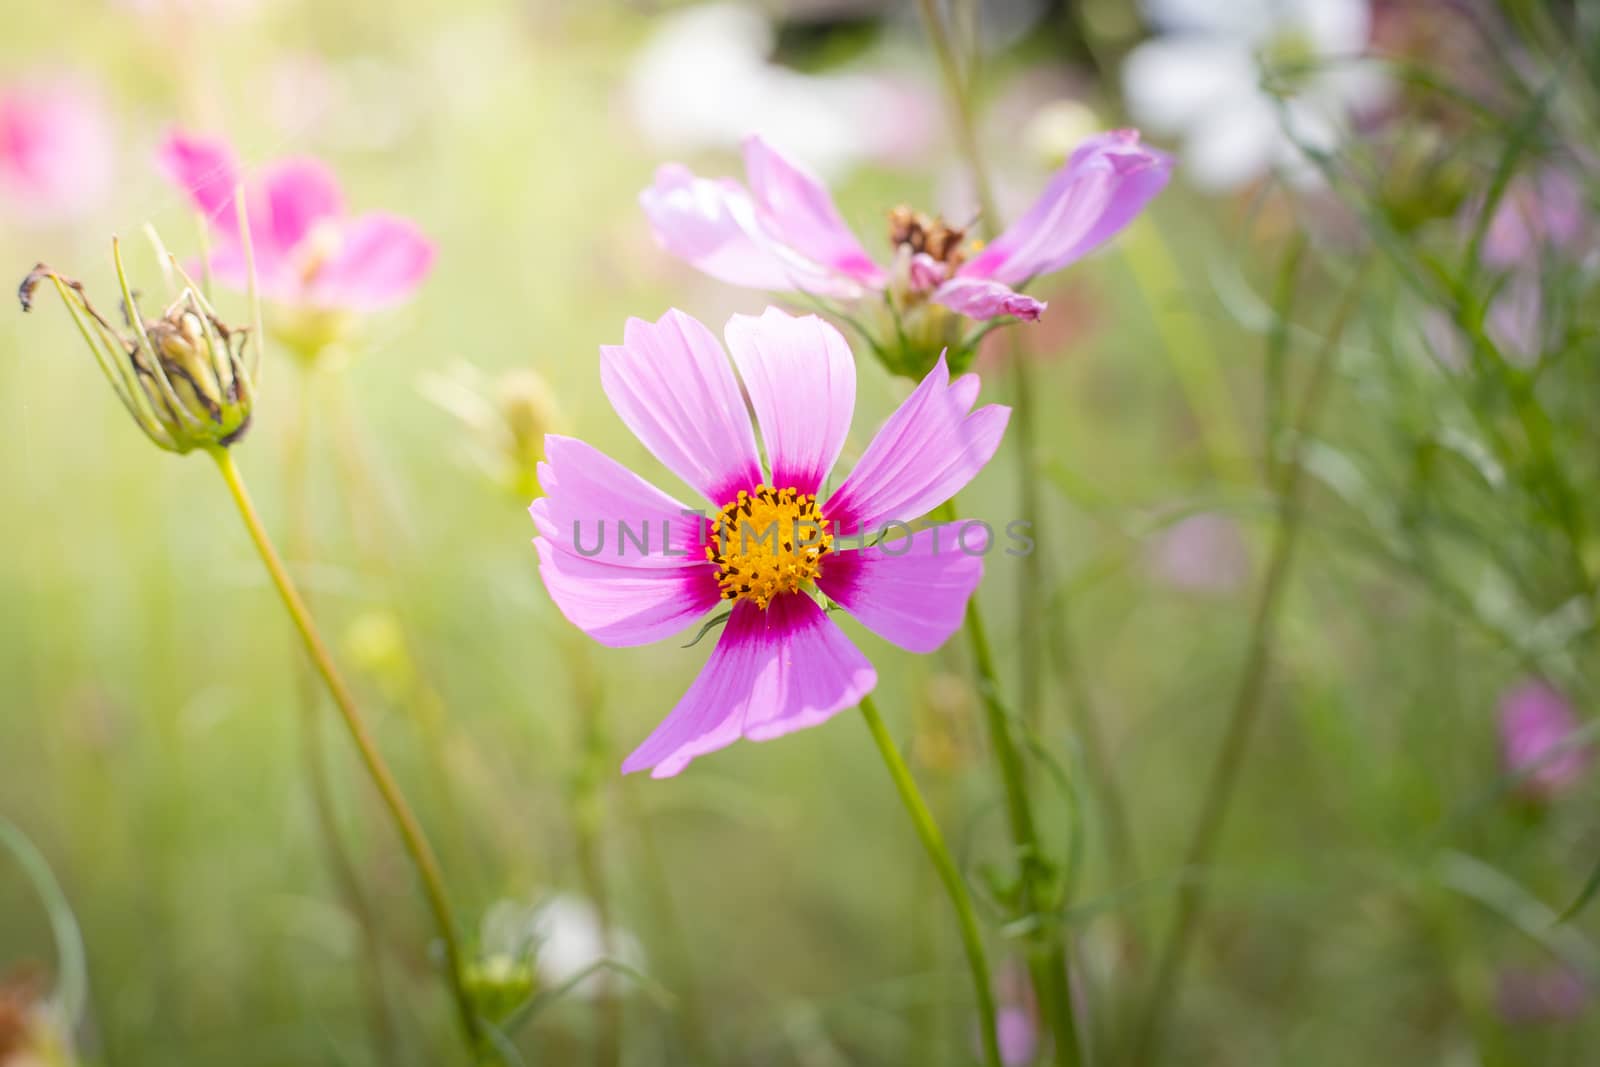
410, 830
955, 888
1225, 772
1047, 956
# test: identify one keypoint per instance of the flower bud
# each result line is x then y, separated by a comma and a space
499, 984
182, 376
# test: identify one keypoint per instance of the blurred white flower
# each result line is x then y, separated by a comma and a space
1201, 79
565, 938
705, 80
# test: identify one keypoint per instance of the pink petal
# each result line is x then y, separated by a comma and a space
772, 672
671, 383
621, 605
296, 195
914, 590
932, 446
276, 274
798, 211
1107, 182
621, 589
379, 261
583, 487
801, 379
714, 226
206, 169
981, 298
56, 151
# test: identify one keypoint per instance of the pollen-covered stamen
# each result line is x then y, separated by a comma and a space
767, 542
931, 236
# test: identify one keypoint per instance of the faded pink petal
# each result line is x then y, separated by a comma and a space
307, 251
1018, 1033
206, 169
672, 384
981, 298
714, 226
377, 260
773, 672
925, 272
584, 487
912, 591
1536, 725
1538, 211
798, 211
801, 379
294, 195
932, 446
55, 151
1552, 994
1106, 183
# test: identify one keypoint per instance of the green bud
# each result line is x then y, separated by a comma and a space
498, 984
182, 376
1425, 179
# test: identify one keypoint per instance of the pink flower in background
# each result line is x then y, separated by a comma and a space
1016, 1021
780, 664
782, 232
1539, 211
308, 251
1535, 719
55, 151
1202, 554
1553, 994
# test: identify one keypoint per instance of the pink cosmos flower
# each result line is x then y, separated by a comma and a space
55, 151
309, 252
780, 664
782, 232
1534, 720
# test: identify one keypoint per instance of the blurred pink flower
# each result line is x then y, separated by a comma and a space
1535, 719
780, 664
1016, 1021
782, 232
1539, 211
1202, 554
1551, 994
55, 151
308, 251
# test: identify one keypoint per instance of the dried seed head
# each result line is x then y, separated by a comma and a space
182, 376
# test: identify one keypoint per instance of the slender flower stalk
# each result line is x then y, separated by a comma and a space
1247, 702
411, 833
949, 875
1048, 959
1047, 955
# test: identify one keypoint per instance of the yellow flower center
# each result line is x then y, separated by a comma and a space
768, 542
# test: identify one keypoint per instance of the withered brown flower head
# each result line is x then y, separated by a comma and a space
182, 376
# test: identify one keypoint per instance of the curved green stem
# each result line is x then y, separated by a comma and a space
955, 888
410, 830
